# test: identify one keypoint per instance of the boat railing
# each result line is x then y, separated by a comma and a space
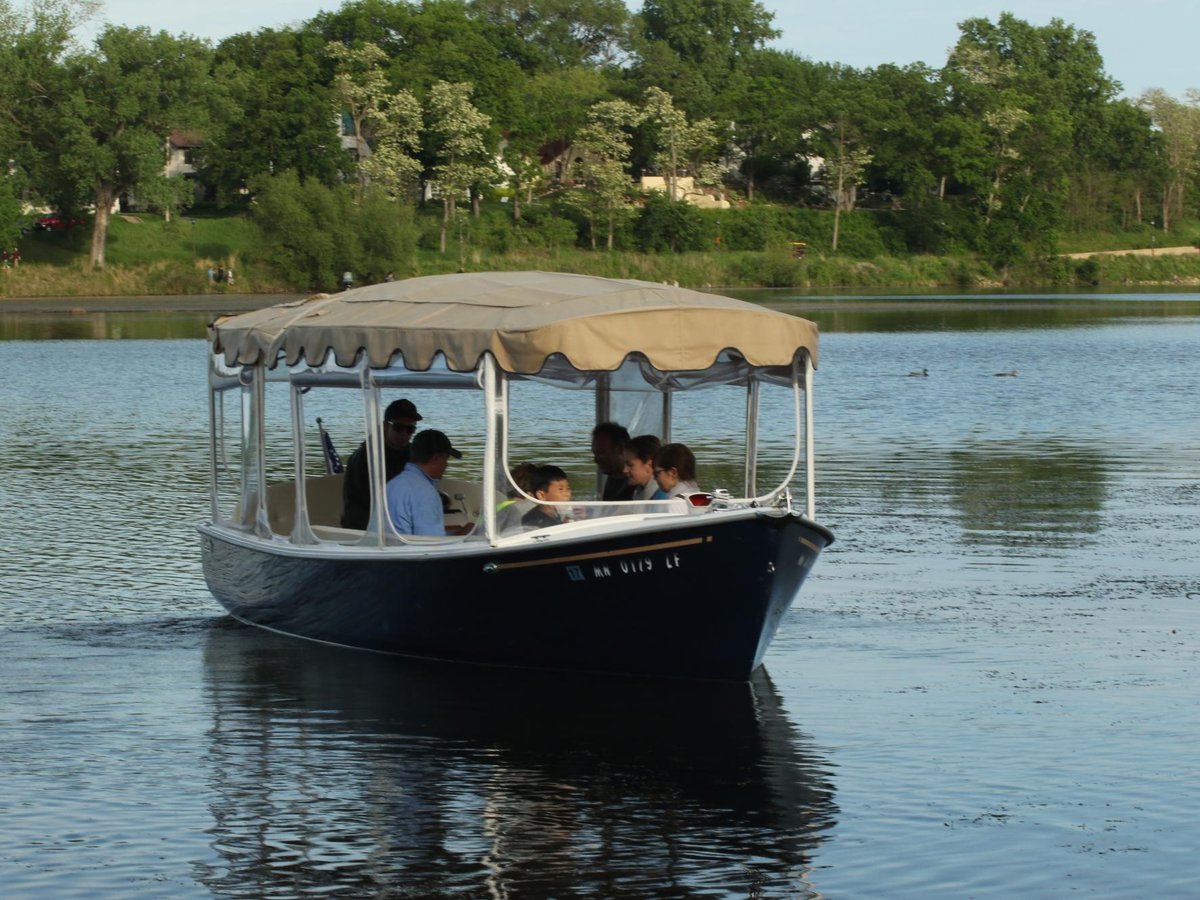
323, 504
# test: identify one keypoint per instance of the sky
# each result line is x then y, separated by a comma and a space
1144, 43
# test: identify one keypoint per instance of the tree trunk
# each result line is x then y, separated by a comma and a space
475, 202
1166, 210
942, 188
104, 200
750, 186
446, 211
1137, 202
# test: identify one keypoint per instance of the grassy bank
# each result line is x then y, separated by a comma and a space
147, 256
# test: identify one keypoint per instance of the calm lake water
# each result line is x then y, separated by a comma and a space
987, 689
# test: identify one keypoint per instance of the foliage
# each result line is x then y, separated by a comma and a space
10, 213
602, 190
456, 132
311, 233
113, 109
270, 112
680, 147
386, 123
668, 225
994, 154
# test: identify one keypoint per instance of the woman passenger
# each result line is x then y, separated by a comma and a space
639, 467
675, 470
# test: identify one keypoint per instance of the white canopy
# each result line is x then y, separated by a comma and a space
524, 319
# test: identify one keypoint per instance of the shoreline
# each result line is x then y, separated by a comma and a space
217, 303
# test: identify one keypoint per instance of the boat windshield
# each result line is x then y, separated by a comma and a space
283, 436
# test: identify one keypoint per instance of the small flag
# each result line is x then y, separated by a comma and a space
333, 462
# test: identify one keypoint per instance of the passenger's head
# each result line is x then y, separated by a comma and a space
639, 458
431, 450
399, 422
608, 445
521, 474
550, 483
672, 464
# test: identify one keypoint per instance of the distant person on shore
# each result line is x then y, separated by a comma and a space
608, 452
399, 422
675, 470
220, 274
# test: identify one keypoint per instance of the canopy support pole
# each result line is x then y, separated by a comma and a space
750, 484
254, 414
301, 532
810, 474
495, 404
376, 464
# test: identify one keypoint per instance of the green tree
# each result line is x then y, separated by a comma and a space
271, 113
457, 132
680, 147
665, 226
1122, 167
1179, 124
311, 232
772, 98
10, 212
690, 49
554, 110
566, 34
1024, 97
33, 44
305, 228
603, 186
841, 139
386, 123
106, 128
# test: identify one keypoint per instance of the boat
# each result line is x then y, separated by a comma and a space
688, 587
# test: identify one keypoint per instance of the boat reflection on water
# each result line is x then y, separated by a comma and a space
357, 773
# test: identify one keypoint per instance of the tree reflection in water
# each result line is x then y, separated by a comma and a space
352, 772
1031, 492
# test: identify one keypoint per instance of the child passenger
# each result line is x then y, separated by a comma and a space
510, 512
547, 483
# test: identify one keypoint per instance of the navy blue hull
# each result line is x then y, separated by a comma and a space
701, 601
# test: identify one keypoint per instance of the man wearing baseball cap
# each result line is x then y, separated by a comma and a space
399, 422
414, 504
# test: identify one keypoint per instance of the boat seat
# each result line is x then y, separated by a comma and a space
324, 497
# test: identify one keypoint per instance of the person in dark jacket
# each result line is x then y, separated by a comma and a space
399, 422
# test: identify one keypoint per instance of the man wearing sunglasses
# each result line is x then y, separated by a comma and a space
399, 422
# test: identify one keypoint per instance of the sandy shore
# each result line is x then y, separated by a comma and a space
215, 303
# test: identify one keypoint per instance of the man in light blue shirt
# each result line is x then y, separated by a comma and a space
414, 504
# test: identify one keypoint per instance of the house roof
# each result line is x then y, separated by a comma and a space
185, 140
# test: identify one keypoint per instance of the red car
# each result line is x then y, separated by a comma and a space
57, 223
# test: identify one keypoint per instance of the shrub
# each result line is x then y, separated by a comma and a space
311, 233
668, 225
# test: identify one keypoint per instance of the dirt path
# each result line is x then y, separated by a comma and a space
1148, 251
